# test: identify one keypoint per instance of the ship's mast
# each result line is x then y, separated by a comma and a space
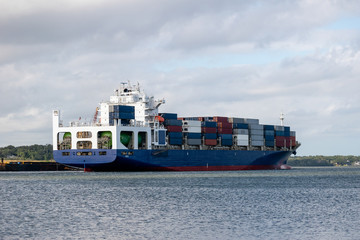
282, 117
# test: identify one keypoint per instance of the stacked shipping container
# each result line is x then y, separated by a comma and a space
224, 130
269, 135
174, 128
284, 137
256, 135
229, 131
240, 132
192, 131
292, 138
121, 112
209, 131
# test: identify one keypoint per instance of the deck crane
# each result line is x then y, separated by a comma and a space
95, 115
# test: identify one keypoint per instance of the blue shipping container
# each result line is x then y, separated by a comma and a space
226, 142
287, 129
124, 108
175, 134
173, 122
193, 135
209, 124
124, 115
225, 136
269, 133
269, 143
269, 127
269, 137
280, 133
240, 125
168, 115
210, 135
175, 141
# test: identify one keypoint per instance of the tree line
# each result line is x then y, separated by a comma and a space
320, 160
33, 152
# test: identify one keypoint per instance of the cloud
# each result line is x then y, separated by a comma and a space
232, 58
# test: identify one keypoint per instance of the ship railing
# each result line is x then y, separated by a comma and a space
79, 124
83, 124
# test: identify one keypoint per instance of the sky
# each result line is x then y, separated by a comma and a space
251, 59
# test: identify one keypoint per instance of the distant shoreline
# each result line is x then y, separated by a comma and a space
324, 161
44, 153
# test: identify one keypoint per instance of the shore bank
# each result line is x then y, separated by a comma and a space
33, 165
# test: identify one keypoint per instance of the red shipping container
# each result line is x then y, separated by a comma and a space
293, 141
174, 128
224, 125
210, 142
225, 130
279, 141
208, 130
282, 141
220, 119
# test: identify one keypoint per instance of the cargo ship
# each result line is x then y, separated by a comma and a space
128, 133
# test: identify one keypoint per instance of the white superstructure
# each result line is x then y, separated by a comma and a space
146, 107
138, 132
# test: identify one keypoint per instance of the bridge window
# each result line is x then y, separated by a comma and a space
63, 140
83, 134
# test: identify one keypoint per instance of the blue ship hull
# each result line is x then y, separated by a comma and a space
172, 160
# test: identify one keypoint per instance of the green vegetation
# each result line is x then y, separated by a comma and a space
324, 161
33, 152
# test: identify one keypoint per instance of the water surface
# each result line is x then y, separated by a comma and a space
303, 203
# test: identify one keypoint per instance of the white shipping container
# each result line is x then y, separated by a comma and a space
257, 132
242, 143
194, 141
241, 137
243, 120
241, 131
279, 128
191, 123
256, 127
236, 120
257, 138
292, 133
251, 121
257, 143
192, 129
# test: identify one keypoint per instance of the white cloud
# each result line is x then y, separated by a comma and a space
243, 58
